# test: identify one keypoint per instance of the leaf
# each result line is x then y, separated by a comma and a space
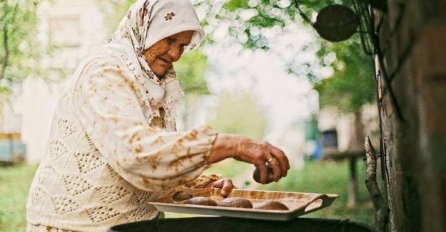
233, 5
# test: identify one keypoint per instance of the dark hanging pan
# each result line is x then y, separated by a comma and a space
336, 23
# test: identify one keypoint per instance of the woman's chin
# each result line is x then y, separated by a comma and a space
159, 71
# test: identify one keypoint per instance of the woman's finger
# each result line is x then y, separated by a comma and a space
281, 158
275, 166
225, 185
263, 172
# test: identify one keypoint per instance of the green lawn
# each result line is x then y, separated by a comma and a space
323, 177
14, 185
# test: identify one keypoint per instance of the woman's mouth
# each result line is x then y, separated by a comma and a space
164, 62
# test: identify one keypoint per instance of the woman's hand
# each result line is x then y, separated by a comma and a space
259, 153
213, 181
225, 185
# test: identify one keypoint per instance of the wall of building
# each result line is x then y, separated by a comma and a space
70, 30
413, 41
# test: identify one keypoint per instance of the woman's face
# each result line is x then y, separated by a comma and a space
163, 53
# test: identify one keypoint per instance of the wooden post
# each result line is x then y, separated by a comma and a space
352, 183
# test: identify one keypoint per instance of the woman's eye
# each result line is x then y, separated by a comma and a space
170, 40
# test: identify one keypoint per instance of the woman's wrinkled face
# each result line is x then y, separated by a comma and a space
163, 53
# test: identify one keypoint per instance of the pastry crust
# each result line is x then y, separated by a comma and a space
201, 201
271, 205
237, 202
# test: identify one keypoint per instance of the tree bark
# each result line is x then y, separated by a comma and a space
372, 186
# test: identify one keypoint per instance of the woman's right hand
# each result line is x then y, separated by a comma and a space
259, 153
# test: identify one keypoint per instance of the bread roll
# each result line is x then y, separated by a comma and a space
201, 201
236, 202
271, 205
181, 196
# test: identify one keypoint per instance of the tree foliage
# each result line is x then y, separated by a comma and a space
351, 84
19, 52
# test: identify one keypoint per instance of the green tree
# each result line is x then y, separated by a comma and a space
19, 52
352, 79
352, 85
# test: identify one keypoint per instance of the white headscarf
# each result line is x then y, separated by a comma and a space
147, 22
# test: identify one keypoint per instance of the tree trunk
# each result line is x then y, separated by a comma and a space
357, 139
356, 144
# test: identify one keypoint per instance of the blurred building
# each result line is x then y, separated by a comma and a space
69, 30
343, 124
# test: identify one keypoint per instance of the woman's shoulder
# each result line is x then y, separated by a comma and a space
102, 61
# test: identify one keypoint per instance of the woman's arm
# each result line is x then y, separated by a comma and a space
149, 158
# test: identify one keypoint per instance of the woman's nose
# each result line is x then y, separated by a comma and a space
174, 53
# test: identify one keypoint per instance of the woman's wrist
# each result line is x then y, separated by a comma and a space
225, 146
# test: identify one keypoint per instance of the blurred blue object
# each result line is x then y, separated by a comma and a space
317, 153
11, 148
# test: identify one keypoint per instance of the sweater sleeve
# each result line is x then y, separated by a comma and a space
149, 158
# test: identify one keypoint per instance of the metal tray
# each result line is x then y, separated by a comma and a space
297, 203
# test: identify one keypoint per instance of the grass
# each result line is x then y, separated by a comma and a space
323, 177
14, 185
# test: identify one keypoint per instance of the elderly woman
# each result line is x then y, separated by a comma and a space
113, 145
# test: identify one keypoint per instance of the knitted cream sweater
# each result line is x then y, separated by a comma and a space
105, 158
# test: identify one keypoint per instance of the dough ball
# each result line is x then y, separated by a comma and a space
271, 205
236, 202
201, 201
181, 196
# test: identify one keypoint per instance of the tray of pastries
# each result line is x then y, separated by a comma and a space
243, 203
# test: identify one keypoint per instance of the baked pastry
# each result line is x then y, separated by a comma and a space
237, 202
271, 205
201, 201
181, 196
